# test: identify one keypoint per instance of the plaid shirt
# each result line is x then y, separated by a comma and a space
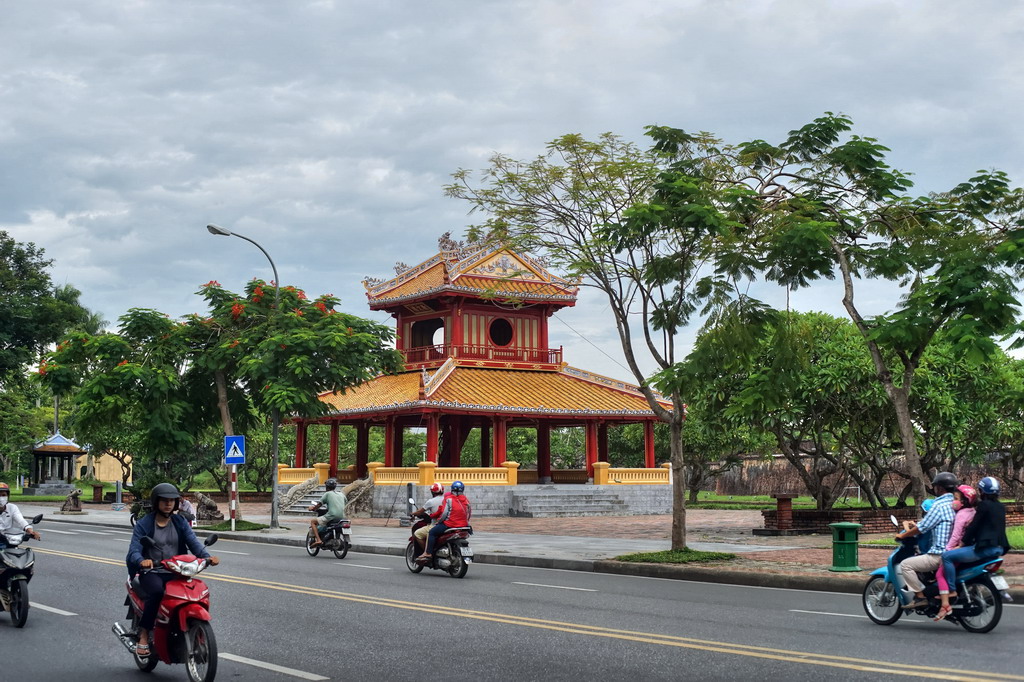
939, 520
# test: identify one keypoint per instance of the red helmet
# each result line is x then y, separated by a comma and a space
969, 494
436, 489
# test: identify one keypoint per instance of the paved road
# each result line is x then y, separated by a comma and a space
367, 617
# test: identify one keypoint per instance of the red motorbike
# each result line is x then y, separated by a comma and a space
452, 552
183, 633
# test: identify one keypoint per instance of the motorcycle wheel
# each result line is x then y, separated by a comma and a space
341, 553
144, 663
983, 592
881, 602
410, 558
19, 603
200, 651
310, 539
458, 567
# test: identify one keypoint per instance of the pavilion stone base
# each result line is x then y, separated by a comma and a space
49, 488
538, 500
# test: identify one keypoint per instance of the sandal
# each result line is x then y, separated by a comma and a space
142, 650
943, 612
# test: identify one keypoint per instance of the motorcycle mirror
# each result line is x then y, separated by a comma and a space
36, 519
412, 502
894, 521
210, 539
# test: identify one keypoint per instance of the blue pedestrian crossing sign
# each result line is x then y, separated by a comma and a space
234, 449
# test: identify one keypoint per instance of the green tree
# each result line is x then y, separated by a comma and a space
584, 205
235, 365
32, 313
822, 203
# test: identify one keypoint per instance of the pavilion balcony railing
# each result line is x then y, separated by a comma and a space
550, 356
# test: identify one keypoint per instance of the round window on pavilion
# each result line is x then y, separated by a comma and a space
500, 332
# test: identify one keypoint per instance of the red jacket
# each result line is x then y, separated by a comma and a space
454, 511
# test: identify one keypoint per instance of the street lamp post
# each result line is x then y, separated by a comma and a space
275, 413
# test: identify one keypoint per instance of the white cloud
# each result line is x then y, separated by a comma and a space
326, 130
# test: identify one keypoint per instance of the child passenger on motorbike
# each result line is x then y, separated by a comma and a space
171, 535
964, 498
985, 537
939, 520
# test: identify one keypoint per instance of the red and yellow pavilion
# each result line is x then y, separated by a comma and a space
472, 322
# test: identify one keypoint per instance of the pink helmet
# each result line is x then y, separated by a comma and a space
969, 494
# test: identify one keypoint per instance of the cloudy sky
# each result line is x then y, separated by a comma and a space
325, 130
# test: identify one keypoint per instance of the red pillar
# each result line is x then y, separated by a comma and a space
485, 445
397, 438
543, 452
300, 444
432, 424
333, 471
456, 440
602, 442
389, 442
591, 430
500, 444
362, 449
649, 445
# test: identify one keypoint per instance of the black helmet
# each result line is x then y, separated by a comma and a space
331, 483
167, 491
945, 480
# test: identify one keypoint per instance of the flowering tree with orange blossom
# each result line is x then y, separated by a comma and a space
244, 358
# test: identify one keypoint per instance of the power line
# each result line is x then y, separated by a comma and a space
598, 348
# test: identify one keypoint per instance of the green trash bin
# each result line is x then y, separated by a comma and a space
844, 546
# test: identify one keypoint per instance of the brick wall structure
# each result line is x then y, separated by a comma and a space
873, 520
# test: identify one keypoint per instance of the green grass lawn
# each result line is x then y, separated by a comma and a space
1015, 534
240, 524
669, 556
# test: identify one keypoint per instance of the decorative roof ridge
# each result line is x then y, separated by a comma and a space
375, 286
434, 382
58, 440
492, 408
608, 382
471, 290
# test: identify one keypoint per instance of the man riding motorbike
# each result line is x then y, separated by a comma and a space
454, 512
429, 507
939, 520
10, 516
171, 535
335, 501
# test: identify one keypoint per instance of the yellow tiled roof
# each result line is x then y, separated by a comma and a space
567, 392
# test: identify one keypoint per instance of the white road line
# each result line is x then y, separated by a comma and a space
557, 587
123, 539
378, 568
93, 532
121, 532
59, 612
224, 551
276, 668
828, 613
59, 532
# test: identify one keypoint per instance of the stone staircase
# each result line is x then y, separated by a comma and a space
301, 507
548, 501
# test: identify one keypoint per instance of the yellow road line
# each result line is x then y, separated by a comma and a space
809, 658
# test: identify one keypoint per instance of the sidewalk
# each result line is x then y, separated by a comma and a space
590, 543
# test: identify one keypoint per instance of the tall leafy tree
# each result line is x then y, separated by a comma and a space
578, 206
823, 203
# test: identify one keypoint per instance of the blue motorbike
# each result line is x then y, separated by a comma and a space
978, 610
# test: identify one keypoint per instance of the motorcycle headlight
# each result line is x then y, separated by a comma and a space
188, 568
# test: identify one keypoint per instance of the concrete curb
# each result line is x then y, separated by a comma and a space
684, 572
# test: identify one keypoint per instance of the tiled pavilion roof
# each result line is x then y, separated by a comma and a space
58, 444
454, 387
491, 271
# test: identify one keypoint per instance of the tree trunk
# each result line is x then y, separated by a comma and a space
222, 402
678, 480
908, 435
